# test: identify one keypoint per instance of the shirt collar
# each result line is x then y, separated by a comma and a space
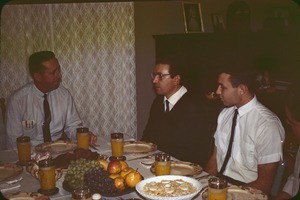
37, 91
248, 106
175, 97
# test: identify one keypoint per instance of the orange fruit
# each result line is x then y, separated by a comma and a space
123, 164
133, 178
119, 183
126, 171
104, 163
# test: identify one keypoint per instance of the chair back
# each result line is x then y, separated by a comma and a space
2, 124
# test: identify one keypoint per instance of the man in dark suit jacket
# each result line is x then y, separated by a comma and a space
183, 130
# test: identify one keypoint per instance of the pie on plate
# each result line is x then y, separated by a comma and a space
57, 147
9, 170
236, 193
27, 196
182, 168
138, 147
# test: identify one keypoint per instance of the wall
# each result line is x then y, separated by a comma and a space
166, 17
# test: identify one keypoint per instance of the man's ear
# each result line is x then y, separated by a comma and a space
177, 79
243, 89
37, 76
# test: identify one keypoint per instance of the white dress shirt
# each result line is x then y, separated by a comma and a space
258, 140
292, 185
25, 114
175, 97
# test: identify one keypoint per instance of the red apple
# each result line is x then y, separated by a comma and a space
114, 167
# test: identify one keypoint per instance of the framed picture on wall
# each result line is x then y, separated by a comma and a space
192, 17
218, 22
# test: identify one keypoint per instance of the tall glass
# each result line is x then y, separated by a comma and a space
162, 164
24, 150
217, 189
83, 138
117, 144
47, 177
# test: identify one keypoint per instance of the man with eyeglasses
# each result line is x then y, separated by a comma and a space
177, 122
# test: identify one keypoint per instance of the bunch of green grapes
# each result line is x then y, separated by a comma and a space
76, 170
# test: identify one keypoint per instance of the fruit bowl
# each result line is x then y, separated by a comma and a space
167, 178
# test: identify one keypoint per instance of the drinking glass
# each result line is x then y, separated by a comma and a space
217, 189
117, 145
162, 164
47, 177
83, 138
24, 150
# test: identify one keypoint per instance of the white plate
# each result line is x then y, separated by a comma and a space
27, 196
182, 168
9, 170
139, 187
57, 147
236, 193
138, 147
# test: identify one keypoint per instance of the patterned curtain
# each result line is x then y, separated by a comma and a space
94, 43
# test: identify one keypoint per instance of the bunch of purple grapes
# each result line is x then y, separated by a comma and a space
98, 181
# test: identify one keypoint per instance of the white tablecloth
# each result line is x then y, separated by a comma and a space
31, 184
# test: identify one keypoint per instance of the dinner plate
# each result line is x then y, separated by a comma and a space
27, 196
138, 147
182, 168
9, 170
165, 180
57, 147
236, 193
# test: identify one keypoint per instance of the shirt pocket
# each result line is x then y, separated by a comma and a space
28, 124
245, 155
221, 142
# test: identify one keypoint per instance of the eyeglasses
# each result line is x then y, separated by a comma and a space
160, 75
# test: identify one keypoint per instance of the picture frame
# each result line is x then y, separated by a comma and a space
192, 17
218, 22
283, 13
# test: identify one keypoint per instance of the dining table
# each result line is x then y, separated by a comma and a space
28, 183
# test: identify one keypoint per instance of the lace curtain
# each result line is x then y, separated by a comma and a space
94, 43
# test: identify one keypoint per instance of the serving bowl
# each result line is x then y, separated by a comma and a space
140, 187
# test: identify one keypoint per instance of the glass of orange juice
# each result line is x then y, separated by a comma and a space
83, 138
47, 177
24, 150
117, 145
217, 189
162, 164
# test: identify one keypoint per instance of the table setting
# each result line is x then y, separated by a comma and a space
148, 167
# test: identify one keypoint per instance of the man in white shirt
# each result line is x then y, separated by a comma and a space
292, 111
25, 110
258, 134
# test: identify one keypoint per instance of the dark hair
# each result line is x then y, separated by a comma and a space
176, 65
292, 101
36, 60
241, 74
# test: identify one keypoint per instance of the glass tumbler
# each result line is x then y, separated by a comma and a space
24, 150
162, 164
83, 138
217, 189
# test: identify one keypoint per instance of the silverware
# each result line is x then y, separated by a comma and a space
202, 177
14, 181
142, 157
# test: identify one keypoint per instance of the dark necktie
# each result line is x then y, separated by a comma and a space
230, 142
47, 120
167, 106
